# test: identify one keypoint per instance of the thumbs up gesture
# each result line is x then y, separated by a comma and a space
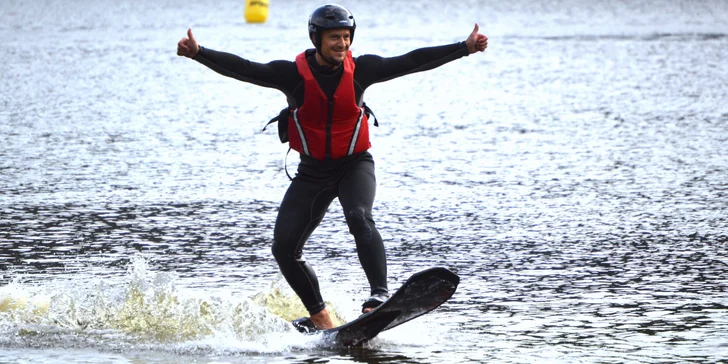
476, 42
188, 47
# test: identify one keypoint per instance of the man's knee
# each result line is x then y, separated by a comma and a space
360, 224
281, 252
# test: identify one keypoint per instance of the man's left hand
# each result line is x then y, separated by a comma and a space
476, 42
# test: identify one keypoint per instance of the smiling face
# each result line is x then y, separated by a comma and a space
334, 45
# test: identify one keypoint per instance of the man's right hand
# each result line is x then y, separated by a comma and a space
188, 46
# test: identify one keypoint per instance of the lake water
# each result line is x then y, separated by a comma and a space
575, 176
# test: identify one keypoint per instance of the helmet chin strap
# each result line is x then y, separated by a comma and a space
333, 62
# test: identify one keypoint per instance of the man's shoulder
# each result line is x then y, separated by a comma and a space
282, 63
367, 59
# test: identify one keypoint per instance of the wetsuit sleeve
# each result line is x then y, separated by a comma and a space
281, 75
371, 69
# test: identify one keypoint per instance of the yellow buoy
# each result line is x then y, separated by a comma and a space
256, 11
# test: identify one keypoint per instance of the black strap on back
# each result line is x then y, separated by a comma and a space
285, 164
370, 114
282, 119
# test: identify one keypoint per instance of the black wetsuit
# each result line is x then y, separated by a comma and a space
318, 182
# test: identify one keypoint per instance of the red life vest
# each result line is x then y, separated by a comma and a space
328, 129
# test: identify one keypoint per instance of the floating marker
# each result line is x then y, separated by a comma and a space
256, 11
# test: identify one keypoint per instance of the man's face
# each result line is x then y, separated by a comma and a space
335, 43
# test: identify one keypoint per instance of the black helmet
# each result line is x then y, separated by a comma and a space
329, 16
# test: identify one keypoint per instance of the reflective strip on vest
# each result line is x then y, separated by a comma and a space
304, 144
355, 137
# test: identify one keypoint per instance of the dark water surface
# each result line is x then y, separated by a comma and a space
575, 176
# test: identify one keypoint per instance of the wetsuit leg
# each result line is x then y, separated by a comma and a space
302, 209
357, 190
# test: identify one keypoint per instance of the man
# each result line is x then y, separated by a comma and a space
327, 123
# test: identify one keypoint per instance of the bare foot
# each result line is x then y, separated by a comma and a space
322, 320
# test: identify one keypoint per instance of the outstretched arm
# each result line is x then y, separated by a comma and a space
371, 69
281, 75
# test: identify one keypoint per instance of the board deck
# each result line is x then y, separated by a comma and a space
421, 293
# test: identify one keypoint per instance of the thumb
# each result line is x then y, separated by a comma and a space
476, 29
189, 35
